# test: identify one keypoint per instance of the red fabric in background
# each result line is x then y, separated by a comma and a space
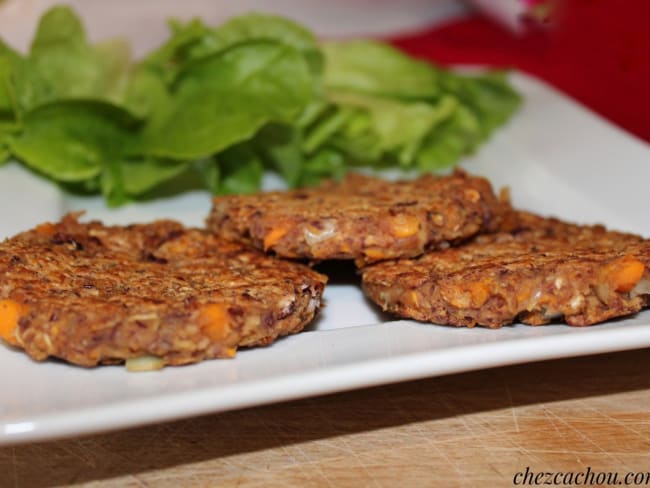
597, 51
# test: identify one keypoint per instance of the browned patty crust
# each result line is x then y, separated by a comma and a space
361, 218
90, 293
543, 270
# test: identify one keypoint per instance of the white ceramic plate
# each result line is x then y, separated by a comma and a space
557, 158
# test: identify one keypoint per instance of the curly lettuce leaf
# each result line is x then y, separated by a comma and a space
488, 95
384, 129
387, 109
455, 137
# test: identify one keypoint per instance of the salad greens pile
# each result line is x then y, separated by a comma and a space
214, 107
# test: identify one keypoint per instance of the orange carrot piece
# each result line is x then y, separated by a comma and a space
10, 313
480, 293
46, 229
374, 253
274, 236
213, 320
404, 225
625, 273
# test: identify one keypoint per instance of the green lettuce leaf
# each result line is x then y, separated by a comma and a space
7, 129
240, 169
387, 109
9, 61
279, 147
226, 98
377, 68
146, 94
141, 175
455, 137
488, 95
326, 162
62, 64
5, 153
194, 40
383, 129
74, 140
127, 179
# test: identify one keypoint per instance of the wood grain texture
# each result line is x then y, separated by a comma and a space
472, 429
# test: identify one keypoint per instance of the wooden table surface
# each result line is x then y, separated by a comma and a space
473, 429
